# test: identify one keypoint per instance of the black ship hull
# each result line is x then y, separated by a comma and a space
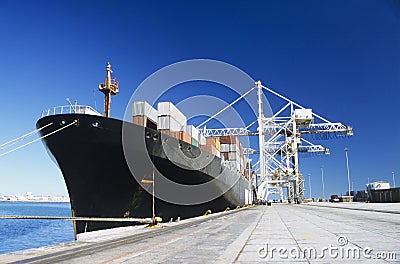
100, 182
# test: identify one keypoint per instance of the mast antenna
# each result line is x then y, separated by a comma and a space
109, 88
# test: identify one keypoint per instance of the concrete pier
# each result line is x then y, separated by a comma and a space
281, 233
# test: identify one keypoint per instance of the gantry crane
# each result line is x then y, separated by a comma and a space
280, 143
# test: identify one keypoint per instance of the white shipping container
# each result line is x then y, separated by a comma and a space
143, 108
169, 109
233, 148
232, 155
224, 147
202, 139
192, 131
167, 122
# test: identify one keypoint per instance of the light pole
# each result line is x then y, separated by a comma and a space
348, 171
394, 182
309, 183
323, 185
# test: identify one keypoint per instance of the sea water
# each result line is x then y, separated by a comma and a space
19, 234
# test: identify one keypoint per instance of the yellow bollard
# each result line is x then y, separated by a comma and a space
207, 213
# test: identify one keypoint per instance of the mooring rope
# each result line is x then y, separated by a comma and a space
33, 141
97, 219
16, 140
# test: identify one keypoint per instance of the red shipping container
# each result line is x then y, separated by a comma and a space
139, 120
185, 137
228, 139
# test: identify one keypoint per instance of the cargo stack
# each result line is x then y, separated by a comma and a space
170, 117
248, 169
171, 120
143, 114
230, 151
193, 132
202, 139
213, 146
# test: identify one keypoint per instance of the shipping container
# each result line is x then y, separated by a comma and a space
224, 147
202, 139
139, 120
143, 108
178, 135
195, 142
214, 142
209, 148
225, 155
169, 123
169, 109
185, 137
144, 122
234, 147
229, 140
170, 133
192, 131
232, 156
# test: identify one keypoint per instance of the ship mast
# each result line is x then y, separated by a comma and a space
109, 88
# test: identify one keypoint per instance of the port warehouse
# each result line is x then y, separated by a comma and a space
169, 120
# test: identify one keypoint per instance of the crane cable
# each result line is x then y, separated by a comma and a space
30, 142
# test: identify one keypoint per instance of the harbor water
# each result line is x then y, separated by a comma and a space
20, 234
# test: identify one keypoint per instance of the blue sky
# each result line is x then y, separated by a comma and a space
340, 58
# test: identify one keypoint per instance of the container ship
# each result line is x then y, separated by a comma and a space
91, 151
380, 192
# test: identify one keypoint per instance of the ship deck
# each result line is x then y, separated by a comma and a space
244, 236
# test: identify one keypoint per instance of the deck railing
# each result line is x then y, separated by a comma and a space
70, 109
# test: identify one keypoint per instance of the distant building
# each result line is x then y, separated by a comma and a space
378, 185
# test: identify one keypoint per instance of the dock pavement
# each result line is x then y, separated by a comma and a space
281, 233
